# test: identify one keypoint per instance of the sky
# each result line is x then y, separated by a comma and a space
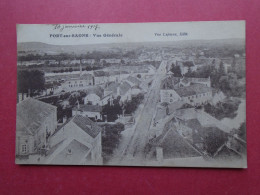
131, 32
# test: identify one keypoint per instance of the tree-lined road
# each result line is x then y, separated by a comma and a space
134, 152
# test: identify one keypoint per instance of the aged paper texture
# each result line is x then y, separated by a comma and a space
134, 94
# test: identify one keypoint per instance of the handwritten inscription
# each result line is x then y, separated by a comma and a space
61, 27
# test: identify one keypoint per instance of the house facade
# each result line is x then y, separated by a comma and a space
93, 112
77, 142
169, 96
100, 77
195, 95
36, 121
94, 99
78, 83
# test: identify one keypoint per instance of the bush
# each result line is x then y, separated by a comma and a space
132, 105
111, 135
223, 109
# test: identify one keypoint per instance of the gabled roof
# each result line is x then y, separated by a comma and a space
192, 90
112, 87
100, 73
87, 125
96, 90
186, 114
170, 82
225, 152
86, 77
134, 80
31, 113
92, 93
72, 154
88, 108
175, 146
194, 123
124, 88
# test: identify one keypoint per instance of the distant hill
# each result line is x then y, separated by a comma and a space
38, 47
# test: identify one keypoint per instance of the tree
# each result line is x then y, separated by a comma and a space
111, 135
122, 61
242, 131
221, 69
189, 73
176, 70
30, 81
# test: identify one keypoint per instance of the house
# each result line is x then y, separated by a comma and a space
82, 81
22, 96
93, 112
52, 88
194, 91
64, 62
114, 76
73, 62
133, 81
53, 62
100, 77
195, 95
218, 96
185, 66
31, 62
110, 61
87, 61
170, 73
111, 88
197, 127
169, 96
94, 99
76, 142
124, 91
187, 81
35, 122
170, 145
117, 76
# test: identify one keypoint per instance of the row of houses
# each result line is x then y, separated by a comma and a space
94, 101
42, 141
193, 91
93, 78
186, 138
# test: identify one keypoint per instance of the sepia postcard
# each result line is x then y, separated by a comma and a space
169, 94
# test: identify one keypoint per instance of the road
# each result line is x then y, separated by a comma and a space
134, 151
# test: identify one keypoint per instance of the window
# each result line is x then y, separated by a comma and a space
24, 148
69, 151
